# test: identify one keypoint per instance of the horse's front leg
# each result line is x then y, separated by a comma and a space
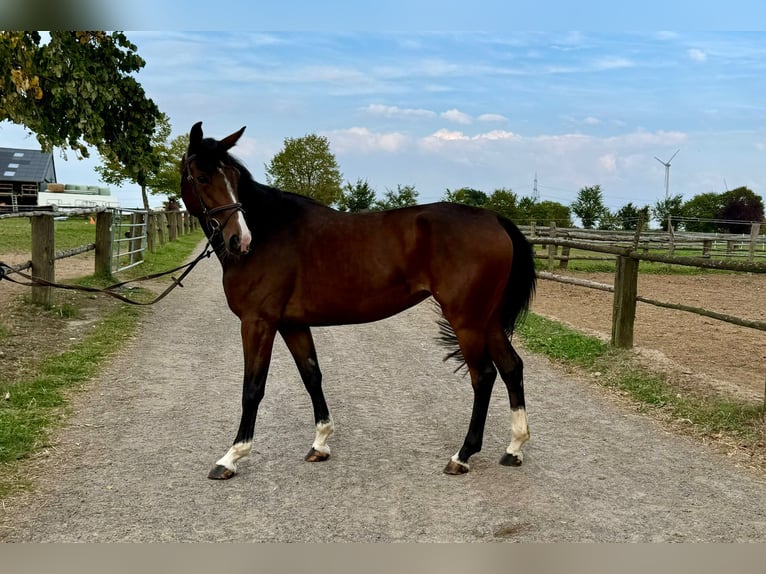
257, 342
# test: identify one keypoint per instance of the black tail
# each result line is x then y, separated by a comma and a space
523, 280
518, 292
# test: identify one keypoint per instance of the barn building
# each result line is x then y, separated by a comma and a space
28, 181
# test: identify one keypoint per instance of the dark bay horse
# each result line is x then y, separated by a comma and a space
290, 263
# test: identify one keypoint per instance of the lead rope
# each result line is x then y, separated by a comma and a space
32, 281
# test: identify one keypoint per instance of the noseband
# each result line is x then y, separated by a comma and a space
212, 222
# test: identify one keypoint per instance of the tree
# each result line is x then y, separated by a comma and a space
78, 89
357, 197
167, 179
306, 166
628, 216
144, 165
504, 202
609, 221
543, 212
404, 196
589, 206
466, 196
740, 204
672, 206
702, 207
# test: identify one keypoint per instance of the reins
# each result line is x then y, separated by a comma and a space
32, 281
214, 225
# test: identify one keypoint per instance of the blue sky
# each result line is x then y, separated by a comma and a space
442, 108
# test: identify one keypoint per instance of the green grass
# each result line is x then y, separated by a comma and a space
709, 414
16, 234
39, 402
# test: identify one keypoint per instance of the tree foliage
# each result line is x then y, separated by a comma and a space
167, 179
357, 197
307, 166
740, 204
589, 206
78, 89
700, 211
629, 215
504, 202
466, 196
145, 166
671, 207
404, 196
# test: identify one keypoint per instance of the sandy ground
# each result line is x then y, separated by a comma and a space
131, 464
702, 351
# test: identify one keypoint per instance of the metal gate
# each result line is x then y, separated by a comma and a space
128, 238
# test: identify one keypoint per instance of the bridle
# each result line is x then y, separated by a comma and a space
214, 225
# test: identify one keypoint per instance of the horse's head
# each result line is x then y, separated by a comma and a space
209, 188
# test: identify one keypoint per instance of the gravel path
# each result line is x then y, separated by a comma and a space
132, 463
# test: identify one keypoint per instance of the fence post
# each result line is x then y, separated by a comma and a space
707, 245
551, 247
104, 243
180, 223
624, 305
162, 226
151, 231
755, 229
172, 226
43, 251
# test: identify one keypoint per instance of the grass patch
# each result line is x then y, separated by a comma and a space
710, 415
608, 265
30, 408
69, 233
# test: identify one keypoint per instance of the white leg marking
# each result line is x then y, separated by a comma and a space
236, 453
456, 460
519, 432
324, 430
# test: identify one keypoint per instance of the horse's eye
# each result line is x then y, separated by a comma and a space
203, 179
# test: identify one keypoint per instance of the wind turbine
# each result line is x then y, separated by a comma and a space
667, 172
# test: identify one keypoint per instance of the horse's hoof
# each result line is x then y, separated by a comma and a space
316, 456
454, 468
510, 460
220, 473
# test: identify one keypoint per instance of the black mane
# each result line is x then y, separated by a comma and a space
267, 209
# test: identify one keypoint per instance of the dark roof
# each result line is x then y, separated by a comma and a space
25, 165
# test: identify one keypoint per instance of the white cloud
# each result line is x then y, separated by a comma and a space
608, 162
397, 112
612, 63
359, 139
696, 55
455, 115
492, 118
591, 121
445, 137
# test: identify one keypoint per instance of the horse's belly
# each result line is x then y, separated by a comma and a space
344, 307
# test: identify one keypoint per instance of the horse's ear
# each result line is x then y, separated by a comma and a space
229, 141
195, 135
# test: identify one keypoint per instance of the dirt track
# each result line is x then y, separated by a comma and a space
132, 463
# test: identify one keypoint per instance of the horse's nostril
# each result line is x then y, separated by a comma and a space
234, 243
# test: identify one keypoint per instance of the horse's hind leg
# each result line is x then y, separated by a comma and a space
511, 369
483, 375
301, 346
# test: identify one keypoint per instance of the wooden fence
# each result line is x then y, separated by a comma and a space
627, 253
163, 226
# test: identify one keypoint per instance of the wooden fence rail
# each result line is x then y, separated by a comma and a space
44, 256
626, 281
